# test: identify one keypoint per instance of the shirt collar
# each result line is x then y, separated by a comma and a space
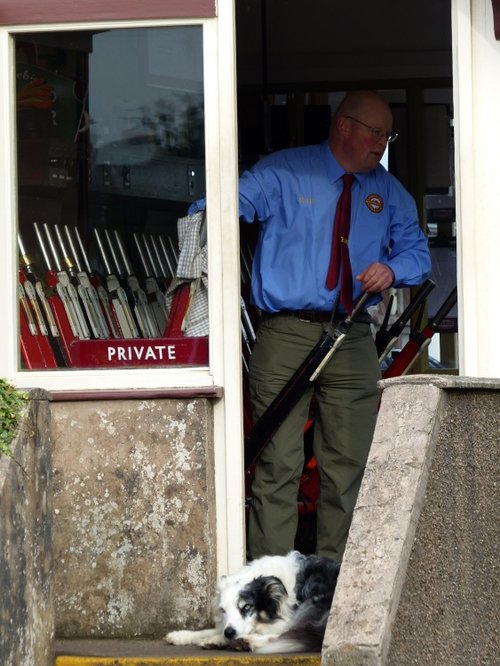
333, 168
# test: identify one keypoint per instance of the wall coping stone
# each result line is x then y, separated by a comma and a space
176, 393
383, 526
444, 382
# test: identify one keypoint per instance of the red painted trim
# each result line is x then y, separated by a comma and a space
496, 17
32, 12
137, 394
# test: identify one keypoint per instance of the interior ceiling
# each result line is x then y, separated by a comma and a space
292, 41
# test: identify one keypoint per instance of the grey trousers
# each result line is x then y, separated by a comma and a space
347, 398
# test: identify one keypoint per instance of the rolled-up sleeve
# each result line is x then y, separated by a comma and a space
409, 256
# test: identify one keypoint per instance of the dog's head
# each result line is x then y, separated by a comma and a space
250, 607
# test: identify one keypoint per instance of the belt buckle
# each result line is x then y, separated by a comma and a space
304, 319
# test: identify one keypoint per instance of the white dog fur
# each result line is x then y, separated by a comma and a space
273, 604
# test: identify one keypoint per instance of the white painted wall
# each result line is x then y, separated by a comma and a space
476, 64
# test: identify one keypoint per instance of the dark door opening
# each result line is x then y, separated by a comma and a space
294, 63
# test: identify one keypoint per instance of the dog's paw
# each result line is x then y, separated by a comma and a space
209, 639
240, 644
213, 645
180, 637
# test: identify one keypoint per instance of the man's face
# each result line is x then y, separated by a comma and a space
366, 137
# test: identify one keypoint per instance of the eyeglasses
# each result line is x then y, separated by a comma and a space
377, 133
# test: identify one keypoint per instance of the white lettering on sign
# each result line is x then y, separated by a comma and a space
140, 352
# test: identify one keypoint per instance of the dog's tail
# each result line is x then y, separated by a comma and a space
307, 631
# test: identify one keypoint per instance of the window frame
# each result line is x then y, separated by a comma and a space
105, 378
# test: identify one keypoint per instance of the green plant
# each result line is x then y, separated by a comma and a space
12, 403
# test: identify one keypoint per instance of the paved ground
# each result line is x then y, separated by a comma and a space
157, 653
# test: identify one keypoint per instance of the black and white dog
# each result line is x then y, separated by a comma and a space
273, 604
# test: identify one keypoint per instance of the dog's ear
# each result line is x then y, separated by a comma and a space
269, 594
273, 587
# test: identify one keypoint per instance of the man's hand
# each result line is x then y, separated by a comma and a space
376, 277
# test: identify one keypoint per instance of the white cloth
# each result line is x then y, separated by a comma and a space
192, 267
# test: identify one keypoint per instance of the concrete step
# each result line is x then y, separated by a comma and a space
101, 652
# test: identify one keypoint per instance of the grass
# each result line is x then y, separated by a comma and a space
12, 404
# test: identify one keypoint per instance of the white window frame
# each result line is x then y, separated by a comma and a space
221, 165
103, 378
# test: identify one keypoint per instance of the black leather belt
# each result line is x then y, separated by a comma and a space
318, 316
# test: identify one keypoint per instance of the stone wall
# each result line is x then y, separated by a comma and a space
449, 608
134, 525
418, 581
26, 563
132, 530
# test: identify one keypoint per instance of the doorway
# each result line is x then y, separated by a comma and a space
294, 63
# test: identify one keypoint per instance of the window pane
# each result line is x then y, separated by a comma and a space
110, 140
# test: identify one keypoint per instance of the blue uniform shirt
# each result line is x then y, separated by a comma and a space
293, 194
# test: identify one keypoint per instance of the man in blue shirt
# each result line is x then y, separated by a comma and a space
292, 194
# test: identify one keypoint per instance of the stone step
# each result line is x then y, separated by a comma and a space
101, 652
